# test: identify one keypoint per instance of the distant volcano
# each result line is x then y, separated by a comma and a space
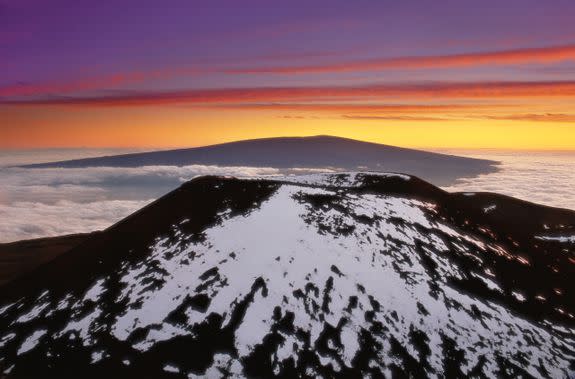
325, 276
303, 152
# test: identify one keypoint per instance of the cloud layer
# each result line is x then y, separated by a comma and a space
25, 220
544, 178
49, 202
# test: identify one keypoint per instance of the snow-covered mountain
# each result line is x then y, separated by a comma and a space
347, 275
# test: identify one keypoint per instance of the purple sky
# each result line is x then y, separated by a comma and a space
62, 40
56, 53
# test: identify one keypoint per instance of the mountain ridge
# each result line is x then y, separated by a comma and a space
302, 152
341, 275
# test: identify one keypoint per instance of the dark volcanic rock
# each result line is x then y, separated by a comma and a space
20, 257
348, 275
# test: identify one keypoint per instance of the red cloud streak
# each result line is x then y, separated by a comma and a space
501, 57
445, 90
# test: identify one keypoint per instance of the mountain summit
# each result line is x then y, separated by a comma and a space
345, 275
303, 152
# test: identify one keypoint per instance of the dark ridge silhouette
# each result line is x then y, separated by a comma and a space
17, 258
303, 152
222, 275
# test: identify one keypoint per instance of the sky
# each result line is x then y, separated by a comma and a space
157, 74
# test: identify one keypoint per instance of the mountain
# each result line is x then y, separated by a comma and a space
17, 258
333, 276
303, 152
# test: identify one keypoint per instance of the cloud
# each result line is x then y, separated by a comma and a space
523, 56
96, 82
49, 185
426, 90
500, 57
396, 118
293, 117
25, 220
544, 178
104, 175
544, 117
56, 201
366, 108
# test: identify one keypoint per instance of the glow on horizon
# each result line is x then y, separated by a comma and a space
154, 128
190, 75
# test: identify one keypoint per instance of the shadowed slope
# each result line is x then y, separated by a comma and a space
300, 152
20, 257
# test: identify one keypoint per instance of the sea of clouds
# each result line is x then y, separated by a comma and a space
49, 202
54, 201
546, 178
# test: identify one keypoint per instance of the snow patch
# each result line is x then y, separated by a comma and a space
31, 342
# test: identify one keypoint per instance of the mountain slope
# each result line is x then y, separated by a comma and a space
19, 257
348, 275
303, 152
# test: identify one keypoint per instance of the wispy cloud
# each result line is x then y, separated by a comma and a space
396, 118
534, 55
378, 92
546, 117
365, 108
500, 57
96, 82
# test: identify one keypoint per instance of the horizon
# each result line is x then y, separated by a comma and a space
193, 74
266, 189
152, 148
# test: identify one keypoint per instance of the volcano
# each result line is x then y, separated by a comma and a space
350, 275
316, 152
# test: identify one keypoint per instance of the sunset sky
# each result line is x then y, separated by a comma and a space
430, 74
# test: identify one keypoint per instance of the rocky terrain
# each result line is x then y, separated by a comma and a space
17, 258
322, 276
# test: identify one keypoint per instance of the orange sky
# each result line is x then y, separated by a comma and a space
167, 77
162, 126
448, 76
448, 114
